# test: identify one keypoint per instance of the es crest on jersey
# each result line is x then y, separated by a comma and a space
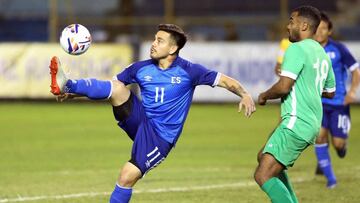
175, 80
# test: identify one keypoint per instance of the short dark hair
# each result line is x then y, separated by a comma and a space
177, 34
325, 18
312, 14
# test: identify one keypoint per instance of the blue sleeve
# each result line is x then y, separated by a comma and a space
202, 76
128, 76
346, 56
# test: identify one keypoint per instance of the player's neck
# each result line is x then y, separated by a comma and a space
323, 44
166, 62
306, 35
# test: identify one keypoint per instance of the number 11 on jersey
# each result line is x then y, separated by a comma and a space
159, 94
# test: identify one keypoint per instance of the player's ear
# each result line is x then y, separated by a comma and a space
330, 32
304, 26
173, 49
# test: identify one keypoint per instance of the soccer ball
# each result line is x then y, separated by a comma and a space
75, 39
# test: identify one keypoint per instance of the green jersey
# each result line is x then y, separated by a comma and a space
301, 110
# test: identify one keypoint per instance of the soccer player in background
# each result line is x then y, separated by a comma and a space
167, 83
284, 44
336, 111
306, 76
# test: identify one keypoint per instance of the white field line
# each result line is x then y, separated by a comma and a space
159, 190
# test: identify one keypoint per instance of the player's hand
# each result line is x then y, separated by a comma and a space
248, 104
63, 97
261, 99
349, 98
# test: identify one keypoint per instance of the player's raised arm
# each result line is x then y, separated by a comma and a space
235, 87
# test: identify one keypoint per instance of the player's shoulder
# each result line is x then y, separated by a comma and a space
310, 46
136, 66
337, 45
295, 47
192, 69
143, 63
185, 64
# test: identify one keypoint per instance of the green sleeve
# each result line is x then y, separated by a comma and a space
330, 81
294, 61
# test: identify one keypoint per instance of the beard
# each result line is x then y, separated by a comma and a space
157, 56
294, 36
153, 54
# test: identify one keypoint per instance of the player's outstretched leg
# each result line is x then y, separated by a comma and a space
92, 88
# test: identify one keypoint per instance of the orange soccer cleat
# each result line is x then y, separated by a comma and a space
58, 77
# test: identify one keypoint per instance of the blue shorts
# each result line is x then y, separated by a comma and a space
337, 120
148, 149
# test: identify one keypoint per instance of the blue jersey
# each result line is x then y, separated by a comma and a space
342, 61
167, 94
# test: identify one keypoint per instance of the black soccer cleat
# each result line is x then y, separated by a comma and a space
318, 171
342, 152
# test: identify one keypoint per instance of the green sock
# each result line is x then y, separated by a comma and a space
285, 179
277, 191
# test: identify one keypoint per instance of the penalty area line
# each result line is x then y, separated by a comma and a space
140, 191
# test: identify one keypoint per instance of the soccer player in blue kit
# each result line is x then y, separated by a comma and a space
167, 83
336, 111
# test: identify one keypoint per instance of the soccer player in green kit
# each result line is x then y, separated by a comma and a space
306, 76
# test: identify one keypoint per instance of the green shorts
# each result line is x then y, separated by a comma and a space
285, 146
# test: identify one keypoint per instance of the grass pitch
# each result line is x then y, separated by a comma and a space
65, 152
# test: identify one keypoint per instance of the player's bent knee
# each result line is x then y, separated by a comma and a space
127, 180
259, 177
120, 93
130, 174
119, 87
